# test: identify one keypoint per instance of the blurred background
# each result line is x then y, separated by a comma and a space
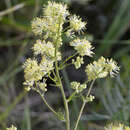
108, 28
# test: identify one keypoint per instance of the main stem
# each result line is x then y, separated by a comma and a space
64, 98
83, 105
66, 108
60, 83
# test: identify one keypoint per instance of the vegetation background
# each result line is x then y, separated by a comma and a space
108, 28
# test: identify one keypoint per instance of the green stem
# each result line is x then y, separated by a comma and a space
66, 29
51, 109
61, 86
66, 108
66, 65
83, 105
51, 78
64, 98
90, 88
68, 59
80, 113
71, 96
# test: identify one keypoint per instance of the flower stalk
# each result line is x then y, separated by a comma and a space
63, 95
83, 105
50, 108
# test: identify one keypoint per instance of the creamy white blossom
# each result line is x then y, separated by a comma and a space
77, 86
90, 98
32, 72
78, 62
42, 86
56, 10
101, 68
76, 23
83, 47
112, 67
38, 25
46, 65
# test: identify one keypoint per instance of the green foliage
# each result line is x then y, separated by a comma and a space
117, 29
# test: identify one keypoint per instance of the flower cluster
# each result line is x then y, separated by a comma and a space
83, 47
56, 10
33, 73
90, 98
101, 68
50, 27
78, 62
117, 126
46, 49
78, 87
12, 128
38, 25
51, 24
76, 23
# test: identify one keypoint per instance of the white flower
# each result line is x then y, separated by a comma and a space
90, 98
83, 47
77, 86
38, 25
112, 67
44, 48
32, 71
56, 10
78, 62
42, 86
46, 65
76, 23
38, 47
101, 68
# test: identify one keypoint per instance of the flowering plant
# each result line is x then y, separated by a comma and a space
51, 28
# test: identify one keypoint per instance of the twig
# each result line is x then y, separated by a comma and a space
83, 105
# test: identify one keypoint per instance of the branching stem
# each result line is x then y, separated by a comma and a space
50, 108
83, 105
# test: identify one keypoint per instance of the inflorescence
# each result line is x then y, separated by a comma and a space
51, 30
